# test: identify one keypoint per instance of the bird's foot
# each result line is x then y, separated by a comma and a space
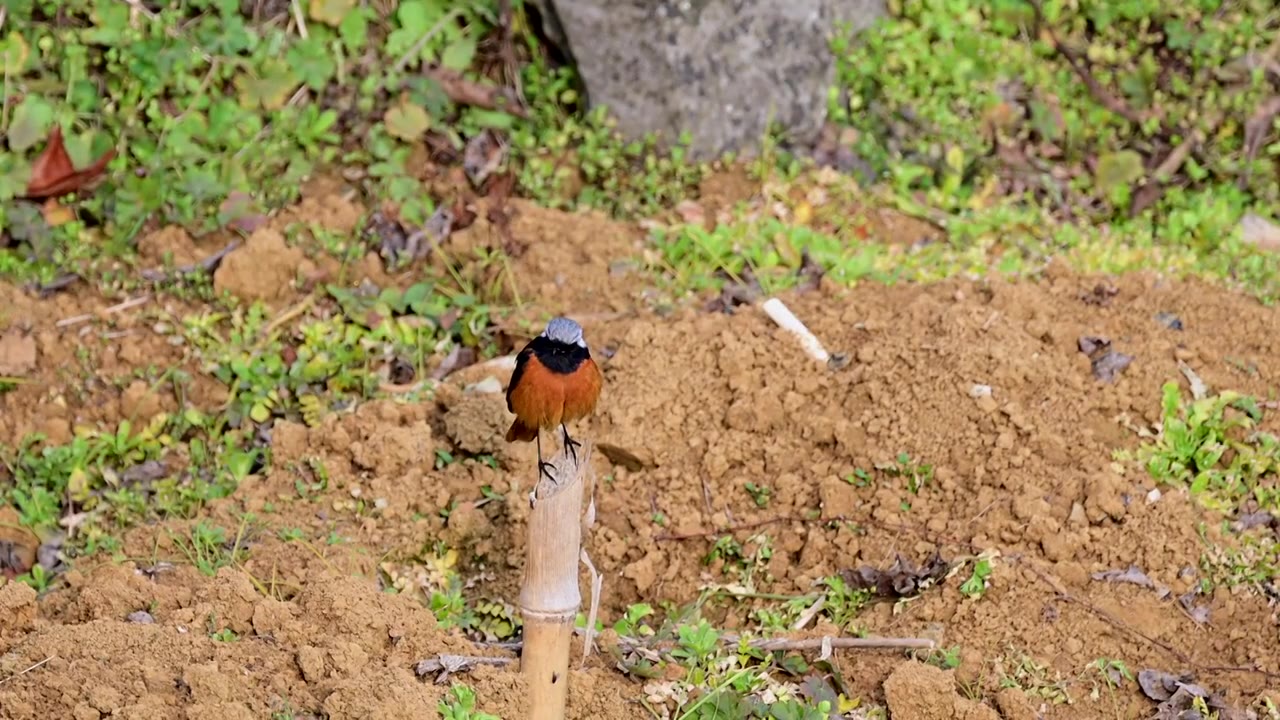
572, 446
543, 470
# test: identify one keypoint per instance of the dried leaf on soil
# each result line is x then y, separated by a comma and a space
1198, 613
902, 579
741, 291
440, 224
442, 666
1176, 695
483, 155
53, 173
239, 212
1101, 295
1106, 363
1133, 575
810, 273
458, 358
1169, 320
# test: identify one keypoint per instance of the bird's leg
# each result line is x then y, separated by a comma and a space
542, 466
570, 444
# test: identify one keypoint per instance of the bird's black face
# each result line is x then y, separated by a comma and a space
559, 357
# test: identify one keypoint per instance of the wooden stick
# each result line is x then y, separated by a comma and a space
24, 672
838, 643
550, 598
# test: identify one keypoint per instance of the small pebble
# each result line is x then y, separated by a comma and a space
490, 384
1169, 320
1154, 496
142, 617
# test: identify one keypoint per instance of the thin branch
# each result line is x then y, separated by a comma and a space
24, 672
1119, 624
442, 666
300, 18
413, 51
840, 643
1256, 129
120, 307
822, 520
208, 264
467, 92
1081, 69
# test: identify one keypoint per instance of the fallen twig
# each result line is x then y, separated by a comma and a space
467, 92
1256, 129
208, 264
838, 643
1079, 67
120, 307
1151, 192
1119, 624
868, 522
62, 282
24, 672
445, 665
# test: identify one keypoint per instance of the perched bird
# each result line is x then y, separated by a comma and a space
555, 382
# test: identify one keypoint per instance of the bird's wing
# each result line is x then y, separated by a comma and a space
521, 361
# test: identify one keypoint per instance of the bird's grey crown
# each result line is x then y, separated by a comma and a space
564, 330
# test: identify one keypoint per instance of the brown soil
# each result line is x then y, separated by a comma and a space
696, 406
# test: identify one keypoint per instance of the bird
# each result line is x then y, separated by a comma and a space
555, 382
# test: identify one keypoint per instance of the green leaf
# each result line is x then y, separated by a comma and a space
110, 21
259, 413
355, 30
15, 53
406, 121
312, 62
1118, 169
15, 174
270, 89
459, 53
31, 121
331, 12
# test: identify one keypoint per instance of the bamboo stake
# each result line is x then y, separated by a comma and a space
550, 598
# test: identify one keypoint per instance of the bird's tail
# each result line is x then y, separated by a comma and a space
522, 432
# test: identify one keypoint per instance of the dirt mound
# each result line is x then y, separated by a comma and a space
966, 420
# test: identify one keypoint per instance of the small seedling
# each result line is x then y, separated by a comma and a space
460, 704
759, 494
979, 580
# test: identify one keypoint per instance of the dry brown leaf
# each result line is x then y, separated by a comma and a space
53, 173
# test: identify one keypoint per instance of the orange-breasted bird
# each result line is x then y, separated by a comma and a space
555, 382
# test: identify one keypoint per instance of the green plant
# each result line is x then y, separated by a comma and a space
976, 586
208, 549
759, 493
1214, 447
460, 704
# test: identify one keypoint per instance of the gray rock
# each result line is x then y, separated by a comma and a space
722, 70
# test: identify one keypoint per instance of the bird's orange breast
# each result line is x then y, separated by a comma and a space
543, 398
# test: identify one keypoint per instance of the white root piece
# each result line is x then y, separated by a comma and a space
597, 585
782, 315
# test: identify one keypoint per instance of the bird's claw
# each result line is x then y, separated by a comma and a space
543, 471
571, 445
